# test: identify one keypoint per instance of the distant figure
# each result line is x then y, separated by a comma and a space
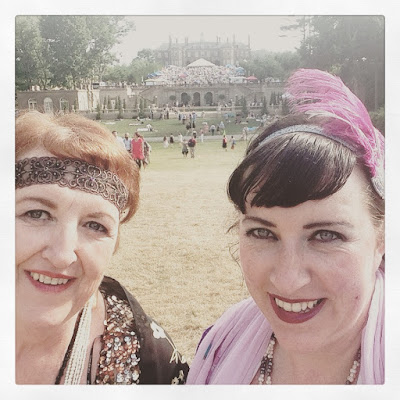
171, 139
146, 152
233, 143
149, 127
165, 142
127, 142
180, 138
185, 150
192, 145
212, 129
222, 127
201, 136
118, 138
137, 149
245, 132
224, 142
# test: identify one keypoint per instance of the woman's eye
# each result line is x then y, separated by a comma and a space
38, 214
260, 233
95, 226
327, 236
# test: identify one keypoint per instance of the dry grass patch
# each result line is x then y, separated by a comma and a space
174, 254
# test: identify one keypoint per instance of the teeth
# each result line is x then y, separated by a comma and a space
304, 306
47, 280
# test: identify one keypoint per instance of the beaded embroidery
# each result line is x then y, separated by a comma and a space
74, 174
119, 356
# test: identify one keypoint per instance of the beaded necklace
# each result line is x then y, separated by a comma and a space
267, 365
75, 356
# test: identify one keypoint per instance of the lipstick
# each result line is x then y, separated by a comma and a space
295, 317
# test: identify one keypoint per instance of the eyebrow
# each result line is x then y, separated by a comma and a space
100, 215
42, 200
260, 220
322, 224
311, 225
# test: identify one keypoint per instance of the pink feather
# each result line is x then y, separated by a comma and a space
319, 93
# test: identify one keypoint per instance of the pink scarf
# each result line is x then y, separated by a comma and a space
232, 350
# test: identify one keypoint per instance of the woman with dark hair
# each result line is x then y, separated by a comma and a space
310, 201
75, 186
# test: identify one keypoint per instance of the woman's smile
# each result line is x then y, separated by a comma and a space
49, 282
296, 311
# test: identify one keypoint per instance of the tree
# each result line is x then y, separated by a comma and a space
120, 111
264, 109
30, 66
285, 106
351, 47
244, 111
141, 108
65, 50
98, 109
146, 54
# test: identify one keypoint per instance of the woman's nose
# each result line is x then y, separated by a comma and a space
290, 271
61, 249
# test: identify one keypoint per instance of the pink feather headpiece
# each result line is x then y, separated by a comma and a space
319, 93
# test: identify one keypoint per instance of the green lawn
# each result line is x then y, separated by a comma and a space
207, 156
173, 126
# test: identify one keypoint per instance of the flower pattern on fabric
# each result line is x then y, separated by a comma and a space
180, 379
158, 332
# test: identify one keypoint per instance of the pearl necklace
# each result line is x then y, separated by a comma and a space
75, 356
267, 365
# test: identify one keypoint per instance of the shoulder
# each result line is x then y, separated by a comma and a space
160, 361
221, 356
233, 322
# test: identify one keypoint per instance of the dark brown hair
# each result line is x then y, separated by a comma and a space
293, 168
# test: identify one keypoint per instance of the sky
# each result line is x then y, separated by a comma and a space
152, 31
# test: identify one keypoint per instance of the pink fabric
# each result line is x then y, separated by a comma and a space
232, 350
137, 149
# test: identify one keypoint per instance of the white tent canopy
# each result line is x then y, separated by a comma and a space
201, 62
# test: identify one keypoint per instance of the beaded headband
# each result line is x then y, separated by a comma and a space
74, 174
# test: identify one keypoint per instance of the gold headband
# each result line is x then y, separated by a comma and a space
74, 174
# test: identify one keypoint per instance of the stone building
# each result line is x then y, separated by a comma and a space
53, 101
218, 52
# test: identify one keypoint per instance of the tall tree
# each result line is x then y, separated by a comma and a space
30, 66
66, 50
352, 47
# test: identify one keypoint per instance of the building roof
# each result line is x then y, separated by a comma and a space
201, 62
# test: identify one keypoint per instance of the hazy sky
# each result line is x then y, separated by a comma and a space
264, 31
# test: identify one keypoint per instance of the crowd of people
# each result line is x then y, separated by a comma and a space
198, 76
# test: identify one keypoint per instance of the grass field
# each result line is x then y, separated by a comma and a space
173, 126
174, 254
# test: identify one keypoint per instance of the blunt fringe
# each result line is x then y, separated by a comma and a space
290, 169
